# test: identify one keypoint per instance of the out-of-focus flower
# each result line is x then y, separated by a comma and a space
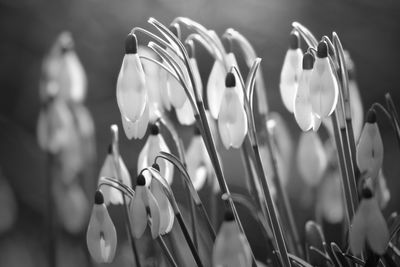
381, 190
144, 207
54, 125
131, 85
112, 195
329, 198
324, 90
302, 105
231, 247
63, 74
311, 158
232, 119
70, 199
215, 88
154, 144
166, 212
368, 227
291, 71
198, 162
101, 235
369, 154
8, 205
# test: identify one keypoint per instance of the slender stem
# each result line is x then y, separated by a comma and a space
188, 240
51, 237
209, 225
166, 251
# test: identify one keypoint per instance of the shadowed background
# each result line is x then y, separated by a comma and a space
369, 30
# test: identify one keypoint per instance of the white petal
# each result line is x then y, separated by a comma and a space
324, 90
290, 75
357, 110
377, 230
166, 220
131, 88
358, 229
216, 88
138, 213
76, 76
330, 198
136, 129
302, 105
185, 114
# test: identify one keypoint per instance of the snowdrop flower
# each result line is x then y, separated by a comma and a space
154, 144
291, 71
167, 214
63, 74
368, 227
330, 200
54, 125
131, 85
70, 199
230, 247
232, 120
176, 93
302, 106
215, 88
324, 89
111, 194
369, 153
101, 236
144, 207
198, 163
311, 158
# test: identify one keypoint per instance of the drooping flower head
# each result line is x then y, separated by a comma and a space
231, 247
368, 227
324, 88
232, 119
154, 144
101, 236
131, 85
369, 154
291, 71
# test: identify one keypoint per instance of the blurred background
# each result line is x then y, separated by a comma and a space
369, 30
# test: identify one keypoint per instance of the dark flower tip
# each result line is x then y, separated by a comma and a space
154, 129
322, 50
196, 131
366, 193
156, 166
230, 80
371, 116
294, 41
308, 61
98, 198
175, 29
131, 44
140, 180
229, 217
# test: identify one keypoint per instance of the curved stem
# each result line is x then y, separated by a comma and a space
160, 65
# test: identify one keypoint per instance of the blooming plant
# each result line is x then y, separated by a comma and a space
314, 86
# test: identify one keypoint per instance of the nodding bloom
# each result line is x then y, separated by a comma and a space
144, 209
330, 201
369, 153
154, 144
291, 71
311, 158
101, 236
70, 199
198, 163
232, 119
167, 214
131, 85
55, 125
185, 114
302, 105
231, 247
63, 74
176, 93
109, 169
368, 227
324, 88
